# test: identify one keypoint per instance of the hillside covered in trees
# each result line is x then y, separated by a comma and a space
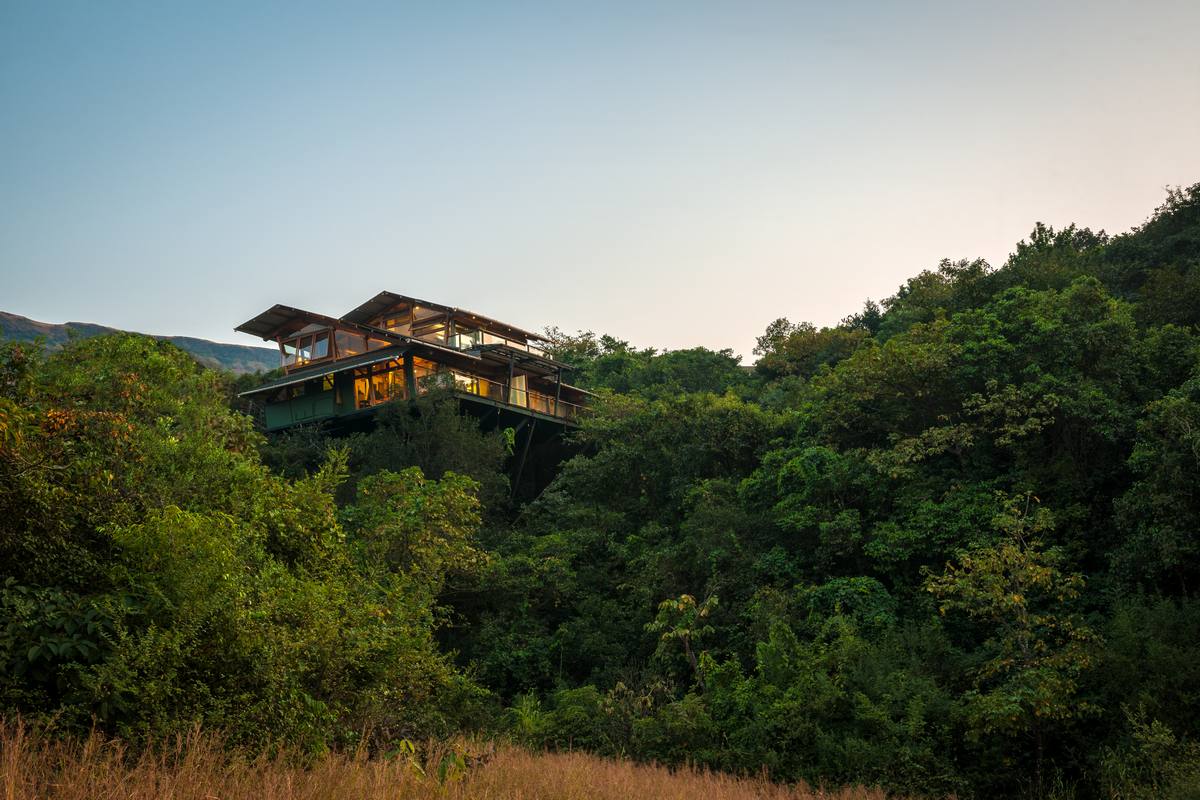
949, 546
236, 358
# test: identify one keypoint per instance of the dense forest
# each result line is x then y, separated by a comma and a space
948, 546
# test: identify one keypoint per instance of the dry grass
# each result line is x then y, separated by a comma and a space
198, 768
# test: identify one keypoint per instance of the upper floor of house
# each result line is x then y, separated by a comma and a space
305, 338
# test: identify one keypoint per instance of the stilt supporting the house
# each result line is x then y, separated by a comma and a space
410, 377
524, 453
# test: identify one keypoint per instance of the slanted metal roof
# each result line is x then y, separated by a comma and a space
385, 300
328, 368
282, 320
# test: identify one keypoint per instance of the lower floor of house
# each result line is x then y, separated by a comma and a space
358, 388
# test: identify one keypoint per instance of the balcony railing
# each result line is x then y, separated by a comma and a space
517, 397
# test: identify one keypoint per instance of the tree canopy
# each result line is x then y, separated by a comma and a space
954, 540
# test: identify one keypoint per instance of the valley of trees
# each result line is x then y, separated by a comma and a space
950, 546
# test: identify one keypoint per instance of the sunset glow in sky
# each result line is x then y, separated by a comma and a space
675, 174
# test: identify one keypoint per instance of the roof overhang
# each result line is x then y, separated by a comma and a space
321, 370
280, 320
385, 300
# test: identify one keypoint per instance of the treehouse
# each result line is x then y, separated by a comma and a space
394, 347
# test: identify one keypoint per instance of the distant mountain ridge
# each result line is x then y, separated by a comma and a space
238, 358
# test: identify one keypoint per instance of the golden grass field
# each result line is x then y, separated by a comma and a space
198, 768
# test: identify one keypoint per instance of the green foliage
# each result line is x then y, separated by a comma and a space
1151, 763
608, 363
683, 621
157, 575
801, 349
954, 539
1035, 650
957, 543
406, 523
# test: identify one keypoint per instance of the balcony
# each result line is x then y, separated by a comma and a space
516, 396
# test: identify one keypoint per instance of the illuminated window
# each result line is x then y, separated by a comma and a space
425, 372
466, 383
429, 324
397, 320
379, 384
362, 392
517, 395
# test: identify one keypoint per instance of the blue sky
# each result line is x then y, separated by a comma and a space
672, 173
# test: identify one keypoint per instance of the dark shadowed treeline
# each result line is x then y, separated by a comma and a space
951, 545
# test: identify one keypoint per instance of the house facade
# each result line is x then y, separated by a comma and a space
395, 347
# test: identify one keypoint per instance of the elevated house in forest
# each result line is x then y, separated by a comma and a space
394, 347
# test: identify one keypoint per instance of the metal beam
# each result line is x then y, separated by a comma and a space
524, 453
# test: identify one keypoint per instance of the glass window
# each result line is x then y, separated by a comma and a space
300, 350
349, 344
290, 353
320, 346
491, 390
397, 324
422, 314
465, 383
431, 332
396, 320
466, 338
379, 384
517, 395
424, 371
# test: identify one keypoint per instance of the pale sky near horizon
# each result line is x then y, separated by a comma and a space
673, 173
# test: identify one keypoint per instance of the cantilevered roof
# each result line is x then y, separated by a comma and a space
281, 320
385, 300
328, 368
